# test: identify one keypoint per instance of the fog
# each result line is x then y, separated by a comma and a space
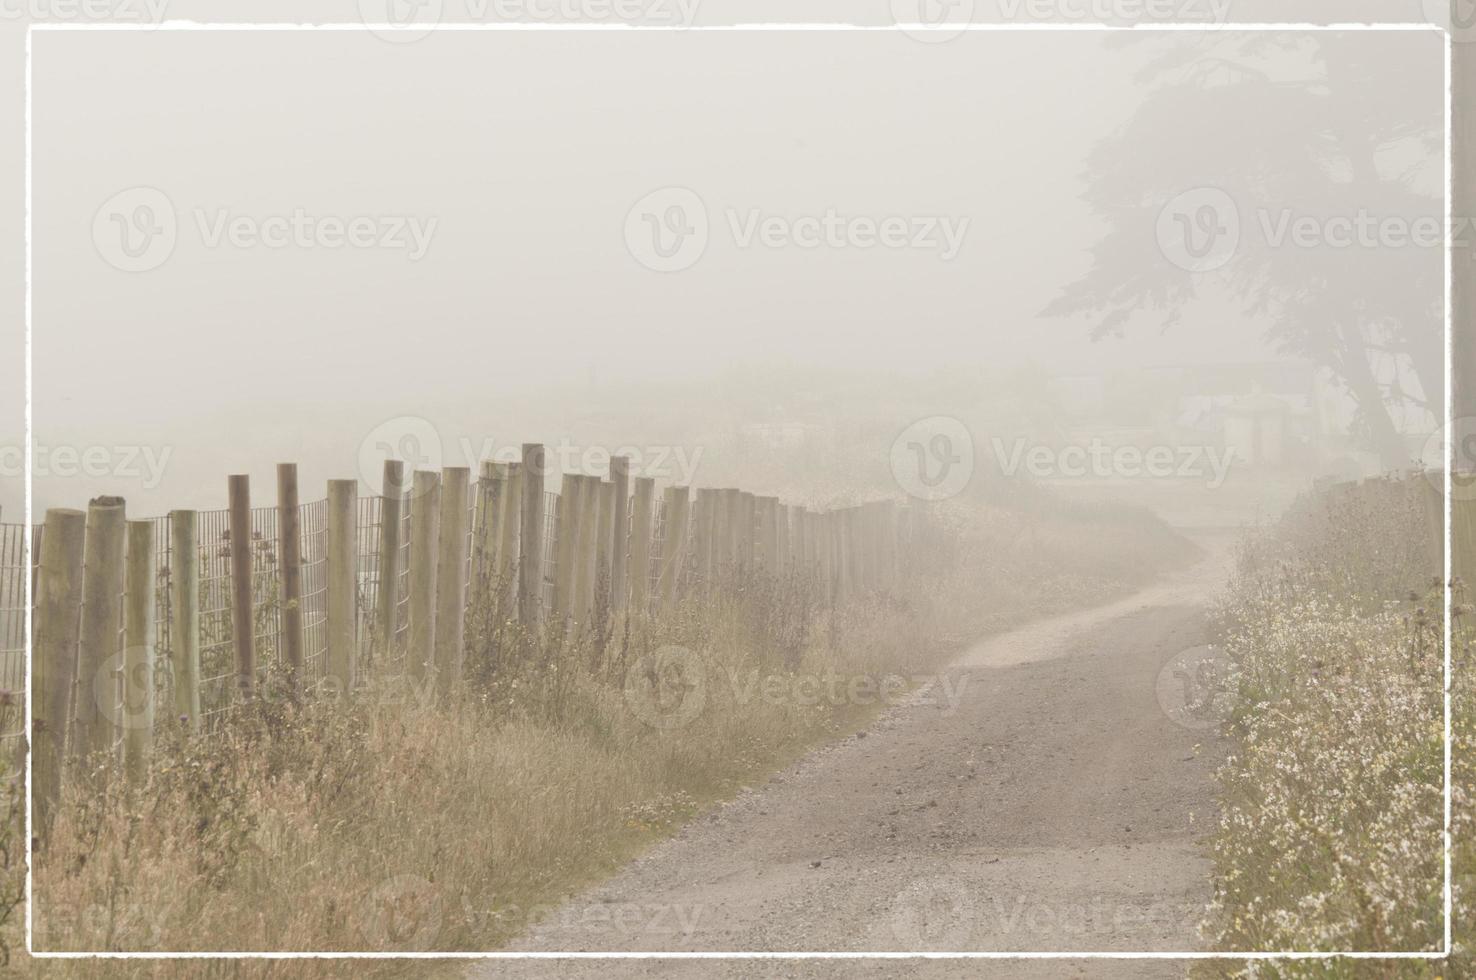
491, 232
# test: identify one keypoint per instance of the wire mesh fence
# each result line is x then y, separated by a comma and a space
670, 569
15, 567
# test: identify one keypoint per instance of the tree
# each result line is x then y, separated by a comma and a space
1249, 148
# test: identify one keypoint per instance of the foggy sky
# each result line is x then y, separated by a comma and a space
527, 151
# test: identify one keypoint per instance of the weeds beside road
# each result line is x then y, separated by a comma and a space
398, 823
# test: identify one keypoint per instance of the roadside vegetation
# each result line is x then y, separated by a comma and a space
1332, 799
404, 821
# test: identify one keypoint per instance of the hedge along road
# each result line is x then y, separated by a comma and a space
1055, 799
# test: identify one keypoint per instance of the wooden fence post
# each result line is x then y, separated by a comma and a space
640, 545
801, 542
566, 541
451, 578
1463, 541
425, 533
585, 548
343, 582
136, 716
829, 554
731, 511
784, 537
604, 552
487, 526
511, 523
703, 532
391, 523
620, 560
289, 530
102, 621
530, 562
184, 615
747, 529
54, 668
243, 620
768, 533
673, 545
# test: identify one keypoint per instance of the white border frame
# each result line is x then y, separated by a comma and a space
764, 955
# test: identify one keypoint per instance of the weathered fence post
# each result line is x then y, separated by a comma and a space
673, 544
243, 621
391, 522
604, 552
1463, 541
102, 621
54, 668
289, 529
451, 578
729, 511
184, 615
620, 560
640, 545
703, 532
487, 526
566, 542
768, 533
747, 529
530, 562
828, 546
784, 537
511, 525
801, 542
343, 583
589, 519
425, 533
136, 716
888, 517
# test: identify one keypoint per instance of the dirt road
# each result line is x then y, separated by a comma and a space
1038, 797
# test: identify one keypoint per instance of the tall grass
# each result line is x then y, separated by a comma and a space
1332, 824
402, 820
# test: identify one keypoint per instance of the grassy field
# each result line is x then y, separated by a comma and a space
402, 822
1331, 835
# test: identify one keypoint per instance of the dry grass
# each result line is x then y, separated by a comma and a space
400, 822
1331, 836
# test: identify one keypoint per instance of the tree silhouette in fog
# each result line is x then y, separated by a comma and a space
1289, 126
